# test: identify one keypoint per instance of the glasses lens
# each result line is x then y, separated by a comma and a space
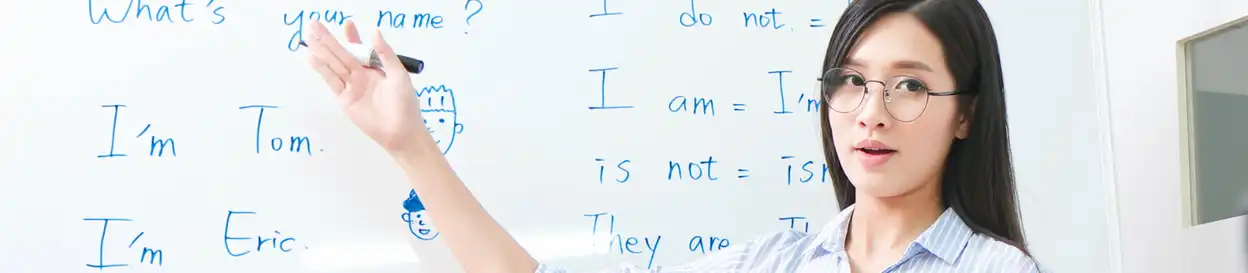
843, 89
906, 99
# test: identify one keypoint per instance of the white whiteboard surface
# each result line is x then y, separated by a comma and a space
524, 77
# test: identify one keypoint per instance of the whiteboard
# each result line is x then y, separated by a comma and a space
237, 160
198, 140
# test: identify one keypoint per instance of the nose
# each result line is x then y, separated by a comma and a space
874, 115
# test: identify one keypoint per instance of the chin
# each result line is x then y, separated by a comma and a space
879, 186
882, 192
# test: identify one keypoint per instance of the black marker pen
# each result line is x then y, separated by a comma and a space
368, 56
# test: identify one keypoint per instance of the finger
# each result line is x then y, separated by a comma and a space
320, 51
353, 34
389, 60
332, 79
335, 49
329, 61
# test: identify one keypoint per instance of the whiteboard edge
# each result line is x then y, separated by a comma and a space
1105, 136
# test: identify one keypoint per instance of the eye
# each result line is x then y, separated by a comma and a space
853, 79
910, 84
441, 120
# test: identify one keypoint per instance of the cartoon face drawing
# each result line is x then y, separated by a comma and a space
437, 106
415, 218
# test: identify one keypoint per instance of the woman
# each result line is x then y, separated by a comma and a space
914, 122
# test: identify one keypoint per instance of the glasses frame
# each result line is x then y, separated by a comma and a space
887, 91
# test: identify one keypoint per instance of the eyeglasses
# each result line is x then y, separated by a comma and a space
905, 97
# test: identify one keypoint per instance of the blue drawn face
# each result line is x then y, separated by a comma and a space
442, 120
415, 218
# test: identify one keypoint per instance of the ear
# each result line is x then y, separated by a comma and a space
964, 122
412, 193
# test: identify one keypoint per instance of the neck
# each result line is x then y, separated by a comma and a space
887, 224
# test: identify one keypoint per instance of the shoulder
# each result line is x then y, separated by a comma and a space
989, 254
782, 239
783, 243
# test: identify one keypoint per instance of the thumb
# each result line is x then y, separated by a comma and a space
389, 60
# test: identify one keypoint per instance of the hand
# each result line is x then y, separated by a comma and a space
381, 102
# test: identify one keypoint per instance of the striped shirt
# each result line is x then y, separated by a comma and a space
947, 246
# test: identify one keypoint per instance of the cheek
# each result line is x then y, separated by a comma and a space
927, 142
842, 131
923, 141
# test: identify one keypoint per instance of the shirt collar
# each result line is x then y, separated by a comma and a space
946, 238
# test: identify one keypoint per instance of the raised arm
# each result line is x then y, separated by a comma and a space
383, 104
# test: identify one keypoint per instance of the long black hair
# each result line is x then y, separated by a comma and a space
978, 176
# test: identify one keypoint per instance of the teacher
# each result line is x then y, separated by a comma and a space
913, 127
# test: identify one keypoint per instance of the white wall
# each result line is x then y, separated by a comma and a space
1140, 39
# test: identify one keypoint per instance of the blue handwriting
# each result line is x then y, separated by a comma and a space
156, 147
627, 245
702, 245
148, 254
696, 170
767, 19
701, 106
780, 78
468, 19
112, 138
796, 221
816, 23
605, 11
400, 20
809, 168
295, 20
277, 241
693, 18
797, 171
144, 10
602, 91
811, 102
294, 144
743, 173
602, 169
151, 256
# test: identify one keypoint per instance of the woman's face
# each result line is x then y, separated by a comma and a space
882, 156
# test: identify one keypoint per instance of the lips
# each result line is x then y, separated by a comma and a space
873, 154
876, 151
873, 147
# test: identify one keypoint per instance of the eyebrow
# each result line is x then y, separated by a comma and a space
903, 64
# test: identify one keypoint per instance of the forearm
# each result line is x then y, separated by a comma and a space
478, 242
